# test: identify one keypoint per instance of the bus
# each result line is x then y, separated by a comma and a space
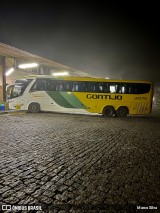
75, 94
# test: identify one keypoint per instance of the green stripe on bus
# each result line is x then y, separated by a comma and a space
73, 100
59, 99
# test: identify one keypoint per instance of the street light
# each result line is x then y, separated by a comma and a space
24, 66
21, 66
9, 71
60, 73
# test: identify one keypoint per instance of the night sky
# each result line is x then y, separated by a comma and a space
116, 41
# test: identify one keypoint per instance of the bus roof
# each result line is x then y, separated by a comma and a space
80, 78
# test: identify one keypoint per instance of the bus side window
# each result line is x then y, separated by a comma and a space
113, 88
48, 86
92, 87
123, 89
34, 87
75, 87
106, 88
145, 88
85, 86
82, 86
52, 86
68, 86
132, 89
43, 86
100, 87
39, 85
59, 86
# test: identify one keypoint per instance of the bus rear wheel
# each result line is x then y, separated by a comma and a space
122, 112
108, 111
34, 107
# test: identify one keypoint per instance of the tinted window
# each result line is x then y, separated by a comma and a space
98, 87
85, 86
39, 85
17, 91
79, 86
138, 88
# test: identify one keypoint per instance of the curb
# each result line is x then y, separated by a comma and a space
3, 112
10, 111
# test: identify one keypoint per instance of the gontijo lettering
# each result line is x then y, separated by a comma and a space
105, 97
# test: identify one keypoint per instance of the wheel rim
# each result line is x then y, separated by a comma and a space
108, 112
122, 112
34, 107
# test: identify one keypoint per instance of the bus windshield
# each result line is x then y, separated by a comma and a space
17, 91
18, 88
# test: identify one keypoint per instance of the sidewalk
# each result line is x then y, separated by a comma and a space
9, 111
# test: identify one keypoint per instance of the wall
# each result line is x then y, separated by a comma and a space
0, 75
1, 96
1, 88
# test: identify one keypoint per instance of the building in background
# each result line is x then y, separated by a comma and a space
11, 58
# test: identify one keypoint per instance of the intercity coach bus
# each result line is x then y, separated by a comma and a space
81, 95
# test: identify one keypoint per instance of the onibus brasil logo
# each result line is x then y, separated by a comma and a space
20, 208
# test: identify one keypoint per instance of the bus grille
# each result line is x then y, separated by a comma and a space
142, 108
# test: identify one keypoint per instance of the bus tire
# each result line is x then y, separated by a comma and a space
34, 107
108, 111
122, 112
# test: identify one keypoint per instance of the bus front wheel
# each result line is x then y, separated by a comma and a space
122, 112
34, 107
108, 111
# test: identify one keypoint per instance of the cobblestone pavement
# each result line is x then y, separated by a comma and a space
77, 163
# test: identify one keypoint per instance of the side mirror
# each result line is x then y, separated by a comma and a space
8, 97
